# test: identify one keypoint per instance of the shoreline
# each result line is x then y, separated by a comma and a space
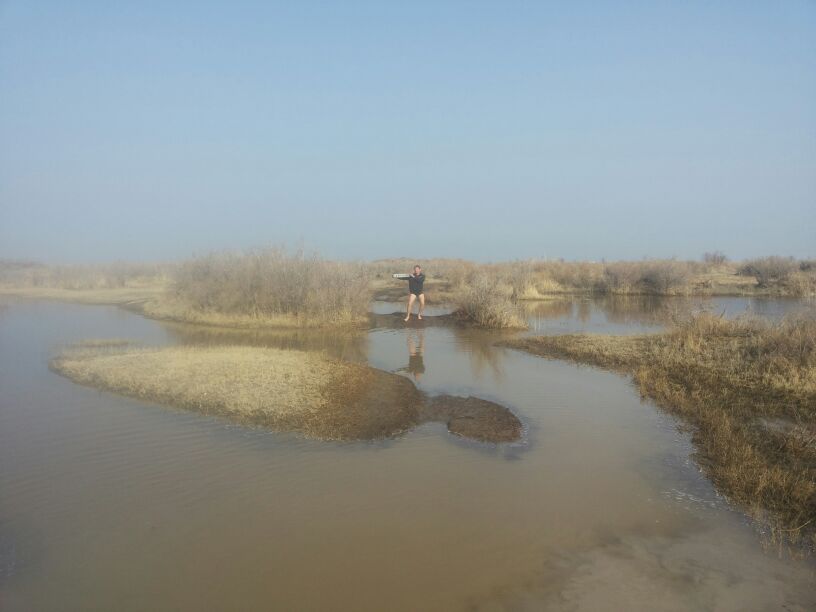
747, 389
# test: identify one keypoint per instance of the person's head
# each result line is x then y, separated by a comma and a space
417, 269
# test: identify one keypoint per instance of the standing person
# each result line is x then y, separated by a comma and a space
415, 282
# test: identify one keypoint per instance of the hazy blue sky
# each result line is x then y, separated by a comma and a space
502, 130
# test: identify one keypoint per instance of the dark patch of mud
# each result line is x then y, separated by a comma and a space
387, 405
396, 320
474, 418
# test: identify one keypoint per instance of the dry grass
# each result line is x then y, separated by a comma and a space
285, 390
539, 279
268, 287
122, 295
748, 388
536, 279
116, 283
485, 304
271, 288
113, 276
782, 275
282, 389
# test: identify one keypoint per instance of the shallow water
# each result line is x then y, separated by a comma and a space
110, 503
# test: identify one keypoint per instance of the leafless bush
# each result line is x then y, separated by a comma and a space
521, 276
487, 305
575, 275
714, 258
620, 277
270, 282
769, 270
664, 277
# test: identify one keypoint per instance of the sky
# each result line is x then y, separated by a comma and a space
482, 130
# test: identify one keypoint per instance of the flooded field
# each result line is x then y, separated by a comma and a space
110, 503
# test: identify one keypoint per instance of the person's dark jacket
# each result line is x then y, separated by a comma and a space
415, 283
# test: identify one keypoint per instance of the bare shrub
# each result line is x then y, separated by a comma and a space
664, 277
521, 277
487, 305
269, 282
769, 270
714, 258
620, 277
574, 275
658, 277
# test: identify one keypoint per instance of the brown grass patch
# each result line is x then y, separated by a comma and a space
284, 390
120, 295
110, 276
266, 287
280, 389
729, 380
485, 304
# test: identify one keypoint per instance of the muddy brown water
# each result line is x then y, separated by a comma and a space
108, 503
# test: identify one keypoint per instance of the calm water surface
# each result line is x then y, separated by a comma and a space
107, 503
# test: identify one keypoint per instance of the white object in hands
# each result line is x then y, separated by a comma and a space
401, 275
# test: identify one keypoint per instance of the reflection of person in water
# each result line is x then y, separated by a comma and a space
416, 349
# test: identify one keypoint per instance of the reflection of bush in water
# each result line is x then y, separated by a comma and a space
347, 344
641, 309
548, 309
479, 346
623, 309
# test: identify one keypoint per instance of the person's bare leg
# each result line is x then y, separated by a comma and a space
411, 299
421, 305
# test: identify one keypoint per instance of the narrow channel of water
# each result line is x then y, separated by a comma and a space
110, 503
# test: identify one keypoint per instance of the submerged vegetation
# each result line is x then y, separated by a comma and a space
748, 389
285, 390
